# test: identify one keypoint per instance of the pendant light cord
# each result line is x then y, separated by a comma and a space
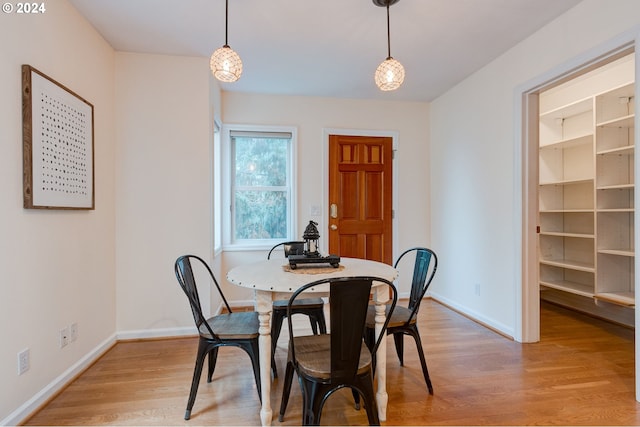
226, 23
388, 34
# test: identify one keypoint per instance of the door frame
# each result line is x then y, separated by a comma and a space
394, 135
527, 321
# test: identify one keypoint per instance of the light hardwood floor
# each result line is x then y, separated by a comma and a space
581, 373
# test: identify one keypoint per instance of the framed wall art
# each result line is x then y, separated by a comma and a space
58, 157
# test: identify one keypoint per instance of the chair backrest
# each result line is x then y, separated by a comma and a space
290, 248
184, 273
348, 302
424, 268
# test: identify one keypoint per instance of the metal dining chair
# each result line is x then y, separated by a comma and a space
328, 362
404, 319
310, 307
239, 329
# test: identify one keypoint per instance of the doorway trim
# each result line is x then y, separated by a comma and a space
394, 135
527, 321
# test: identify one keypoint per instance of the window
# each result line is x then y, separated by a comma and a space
260, 183
217, 188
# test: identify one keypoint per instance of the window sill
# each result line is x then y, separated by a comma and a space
248, 247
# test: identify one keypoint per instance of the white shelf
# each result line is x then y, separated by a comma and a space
619, 252
621, 298
569, 143
570, 264
615, 187
543, 211
572, 287
561, 234
628, 151
568, 182
621, 210
621, 122
569, 110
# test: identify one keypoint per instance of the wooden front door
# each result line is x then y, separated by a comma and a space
360, 195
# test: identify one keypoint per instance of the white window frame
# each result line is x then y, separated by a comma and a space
217, 187
228, 242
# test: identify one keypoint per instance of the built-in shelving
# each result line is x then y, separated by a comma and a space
586, 197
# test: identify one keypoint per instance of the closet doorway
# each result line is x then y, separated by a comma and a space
578, 192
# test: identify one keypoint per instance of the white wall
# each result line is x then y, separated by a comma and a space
311, 115
475, 210
58, 267
163, 180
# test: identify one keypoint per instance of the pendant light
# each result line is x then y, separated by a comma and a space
390, 73
226, 64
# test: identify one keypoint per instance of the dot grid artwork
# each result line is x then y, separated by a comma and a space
61, 145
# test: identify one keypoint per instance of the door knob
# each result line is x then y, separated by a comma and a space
334, 227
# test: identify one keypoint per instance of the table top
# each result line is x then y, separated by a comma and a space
274, 275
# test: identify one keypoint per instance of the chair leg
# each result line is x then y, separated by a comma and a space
276, 327
425, 372
322, 324
365, 386
274, 369
313, 394
372, 412
203, 348
398, 338
254, 353
370, 341
314, 324
286, 390
213, 357
369, 338
356, 398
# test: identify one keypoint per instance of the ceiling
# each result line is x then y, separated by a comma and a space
328, 48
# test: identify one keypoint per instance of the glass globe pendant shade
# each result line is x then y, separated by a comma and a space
226, 64
389, 74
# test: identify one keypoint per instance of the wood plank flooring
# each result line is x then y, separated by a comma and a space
581, 373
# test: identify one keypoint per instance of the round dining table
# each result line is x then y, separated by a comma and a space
274, 279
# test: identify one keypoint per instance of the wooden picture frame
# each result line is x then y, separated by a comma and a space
57, 150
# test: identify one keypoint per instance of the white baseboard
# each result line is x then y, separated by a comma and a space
30, 406
156, 333
403, 295
474, 315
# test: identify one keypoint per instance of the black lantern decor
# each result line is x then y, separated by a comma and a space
311, 236
311, 254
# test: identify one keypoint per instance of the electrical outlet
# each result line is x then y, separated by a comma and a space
23, 361
73, 332
64, 337
477, 289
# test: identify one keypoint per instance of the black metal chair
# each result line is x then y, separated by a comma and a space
403, 320
232, 329
311, 307
326, 363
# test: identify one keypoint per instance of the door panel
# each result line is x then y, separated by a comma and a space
360, 171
